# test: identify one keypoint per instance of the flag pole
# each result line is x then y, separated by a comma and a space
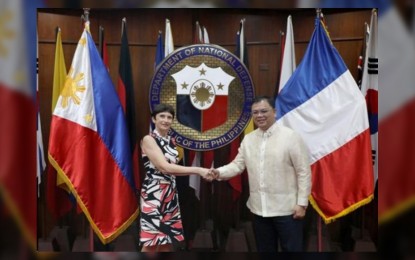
91, 239
319, 235
365, 39
41, 192
318, 12
57, 30
85, 18
101, 41
319, 242
277, 88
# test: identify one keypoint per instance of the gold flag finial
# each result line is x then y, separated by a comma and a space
85, 18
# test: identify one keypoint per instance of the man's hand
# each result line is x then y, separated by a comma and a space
212, 174
215, 173
299, 212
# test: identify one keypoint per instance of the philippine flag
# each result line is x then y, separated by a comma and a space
89, 144
323, 103
18, 116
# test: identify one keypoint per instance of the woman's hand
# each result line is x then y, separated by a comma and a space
206, 174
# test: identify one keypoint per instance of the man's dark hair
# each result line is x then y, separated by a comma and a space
264, 98
160, 108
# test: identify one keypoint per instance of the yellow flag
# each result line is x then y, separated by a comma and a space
249, 128
59, 73
181, 152
59, 76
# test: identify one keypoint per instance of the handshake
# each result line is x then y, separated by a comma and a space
209, 174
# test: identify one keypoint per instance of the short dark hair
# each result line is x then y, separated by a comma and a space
160, 108
264, 98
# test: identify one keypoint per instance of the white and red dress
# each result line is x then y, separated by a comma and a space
160, 218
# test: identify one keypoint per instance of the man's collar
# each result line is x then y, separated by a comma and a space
269, 131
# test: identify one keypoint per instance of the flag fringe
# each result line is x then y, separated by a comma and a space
104, 239
344, 212
396, 210
327, 31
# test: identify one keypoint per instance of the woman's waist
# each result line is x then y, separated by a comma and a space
157, 175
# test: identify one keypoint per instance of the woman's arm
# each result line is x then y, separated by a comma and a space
155, 155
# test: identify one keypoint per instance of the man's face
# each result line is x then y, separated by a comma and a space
263, 115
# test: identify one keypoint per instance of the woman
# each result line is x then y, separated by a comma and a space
160, 213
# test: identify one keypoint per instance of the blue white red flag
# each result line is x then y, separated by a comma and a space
323, 103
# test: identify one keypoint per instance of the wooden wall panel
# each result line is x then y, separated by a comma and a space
68, 20
347, 24
221, 26
351, 49
263, 61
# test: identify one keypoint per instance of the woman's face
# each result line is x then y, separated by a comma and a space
163, 121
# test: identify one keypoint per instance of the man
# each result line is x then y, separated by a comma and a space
279, 176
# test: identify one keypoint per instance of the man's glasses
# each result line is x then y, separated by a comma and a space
259, 112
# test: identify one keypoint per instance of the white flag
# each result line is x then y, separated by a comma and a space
288, 64
194, 180
370, 88
205, 35
168, 40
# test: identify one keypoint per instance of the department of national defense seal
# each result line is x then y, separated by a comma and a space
212, 92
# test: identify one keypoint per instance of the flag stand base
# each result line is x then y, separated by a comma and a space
125, 243
47, 245
203, 240
250, 235
237, 241
61, 236
81, 244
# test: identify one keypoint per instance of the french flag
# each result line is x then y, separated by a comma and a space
323, 103
89, 144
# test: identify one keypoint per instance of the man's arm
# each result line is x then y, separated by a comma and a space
233, 168
300, 159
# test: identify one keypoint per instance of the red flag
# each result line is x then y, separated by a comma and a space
126, 95
57, 198
241, 51
17, 125
89, 144
103, 47
235, 182
208, 158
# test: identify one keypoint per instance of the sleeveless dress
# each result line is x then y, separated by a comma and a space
160, 218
